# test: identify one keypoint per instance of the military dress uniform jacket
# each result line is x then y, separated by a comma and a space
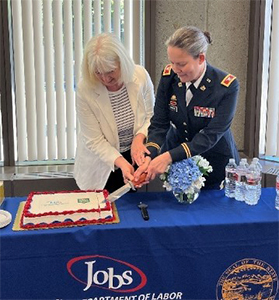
202, 127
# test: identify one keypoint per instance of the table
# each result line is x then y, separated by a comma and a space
215, 248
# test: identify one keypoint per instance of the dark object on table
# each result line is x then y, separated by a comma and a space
144, 212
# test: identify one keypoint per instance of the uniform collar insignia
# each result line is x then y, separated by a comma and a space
203, 88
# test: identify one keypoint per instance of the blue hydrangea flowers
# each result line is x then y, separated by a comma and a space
186, 176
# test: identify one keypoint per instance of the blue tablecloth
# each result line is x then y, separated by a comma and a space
216, 248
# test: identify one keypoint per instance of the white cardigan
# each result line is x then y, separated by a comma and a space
98, 143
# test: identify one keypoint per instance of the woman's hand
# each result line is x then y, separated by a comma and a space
141, 173
158, 165
138, 149
126, 168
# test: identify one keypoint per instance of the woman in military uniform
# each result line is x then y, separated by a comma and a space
194, 108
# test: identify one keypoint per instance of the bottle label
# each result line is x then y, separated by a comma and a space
231, 175
240, 177
252, 181
243, 178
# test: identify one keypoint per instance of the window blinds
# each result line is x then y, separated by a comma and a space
48, 41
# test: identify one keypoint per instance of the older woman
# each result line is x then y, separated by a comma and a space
199, 101
115, 101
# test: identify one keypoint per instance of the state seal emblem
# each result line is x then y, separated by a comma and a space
248, 278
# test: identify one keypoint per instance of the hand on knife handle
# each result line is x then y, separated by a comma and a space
140, 180
125, 189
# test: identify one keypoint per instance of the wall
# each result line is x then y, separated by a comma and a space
228, 23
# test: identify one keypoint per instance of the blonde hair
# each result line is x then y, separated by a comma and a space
104, 53
190, 39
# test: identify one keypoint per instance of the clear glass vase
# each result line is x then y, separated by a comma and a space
187, 198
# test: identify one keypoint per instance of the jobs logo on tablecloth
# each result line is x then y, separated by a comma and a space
106, 273
249, 278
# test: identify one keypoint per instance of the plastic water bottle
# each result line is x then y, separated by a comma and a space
277, 193
257, 162
260, 169
230, 178
253, 178
240, 182
245, 162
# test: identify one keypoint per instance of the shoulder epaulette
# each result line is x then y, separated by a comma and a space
167, 70
228, 80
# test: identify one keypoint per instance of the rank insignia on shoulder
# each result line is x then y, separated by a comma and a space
228, 80
167, 70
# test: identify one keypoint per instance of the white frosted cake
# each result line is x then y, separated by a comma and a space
56, 209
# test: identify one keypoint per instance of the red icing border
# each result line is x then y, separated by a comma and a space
27, 206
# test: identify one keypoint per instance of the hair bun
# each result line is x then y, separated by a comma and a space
208, 37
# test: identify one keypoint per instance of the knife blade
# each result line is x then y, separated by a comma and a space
125, 189
120, 192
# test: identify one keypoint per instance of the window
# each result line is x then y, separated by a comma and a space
269, 117
262, 103
46, 41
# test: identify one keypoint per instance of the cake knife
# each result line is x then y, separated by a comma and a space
120, 192
125, 189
